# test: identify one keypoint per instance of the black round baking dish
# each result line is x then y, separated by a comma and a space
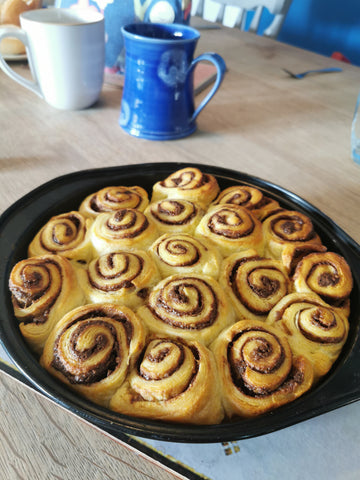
21, 221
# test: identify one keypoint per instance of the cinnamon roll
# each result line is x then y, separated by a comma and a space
120, 277
293, 254
181, 253
253, 283
175, 381
328, 275
110, 199
121, 230
65, 234
189, 184
313, 329
248, 197
258, 371
193, 307
232, 228
43, 289
288, 228
175, 215
92, 348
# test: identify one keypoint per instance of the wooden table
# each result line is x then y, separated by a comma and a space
294, 133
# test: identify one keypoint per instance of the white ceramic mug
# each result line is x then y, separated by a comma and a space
66, 53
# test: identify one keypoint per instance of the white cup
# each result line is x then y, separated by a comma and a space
66, 53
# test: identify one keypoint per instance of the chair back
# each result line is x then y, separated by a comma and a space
233, 13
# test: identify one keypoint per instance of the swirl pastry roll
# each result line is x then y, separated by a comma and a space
189, 184
110, 199
232, 229
181, 253
258, 371
175, 381
288, 228
66, 234
328, 275
92, 348
43, 289
313, 329
120, 277
292, 255
122, 230
253, 283
175, 215
250, 198
192, 307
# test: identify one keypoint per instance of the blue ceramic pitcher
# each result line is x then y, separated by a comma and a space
158, 95
118, 13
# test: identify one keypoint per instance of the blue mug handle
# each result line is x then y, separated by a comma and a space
220, 65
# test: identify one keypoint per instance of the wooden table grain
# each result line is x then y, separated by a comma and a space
294, 133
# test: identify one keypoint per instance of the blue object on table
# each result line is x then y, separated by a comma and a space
304, 74
118, 13
158, 96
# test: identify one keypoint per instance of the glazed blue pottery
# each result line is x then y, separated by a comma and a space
158, 95
118, 13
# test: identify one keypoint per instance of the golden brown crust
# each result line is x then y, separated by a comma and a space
67, 235
9, 16
11, 9
184, 254
92, 348
123, 229
328, 275
43, 289
175, 381
175, 215
110, 199
193, 307
313, 329
232, 229
285, 228
254, 284
257, 369
122, 277
189, 184
293, 254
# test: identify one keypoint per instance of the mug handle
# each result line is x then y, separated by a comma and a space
220, 65
13, 32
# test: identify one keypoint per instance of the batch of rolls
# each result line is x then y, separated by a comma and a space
10, 11
196, 305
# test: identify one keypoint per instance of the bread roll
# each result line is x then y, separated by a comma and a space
285, 228
192, 307
43, 289
175, 215
66, 235
312, 327
110, 199
188, 183
258, 371
122, 277
122, 230
231, 228
9, 16
175, 381
92, 348
254, 284
248, 197
184, 254
328, 275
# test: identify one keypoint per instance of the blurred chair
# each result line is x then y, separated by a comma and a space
233, 13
